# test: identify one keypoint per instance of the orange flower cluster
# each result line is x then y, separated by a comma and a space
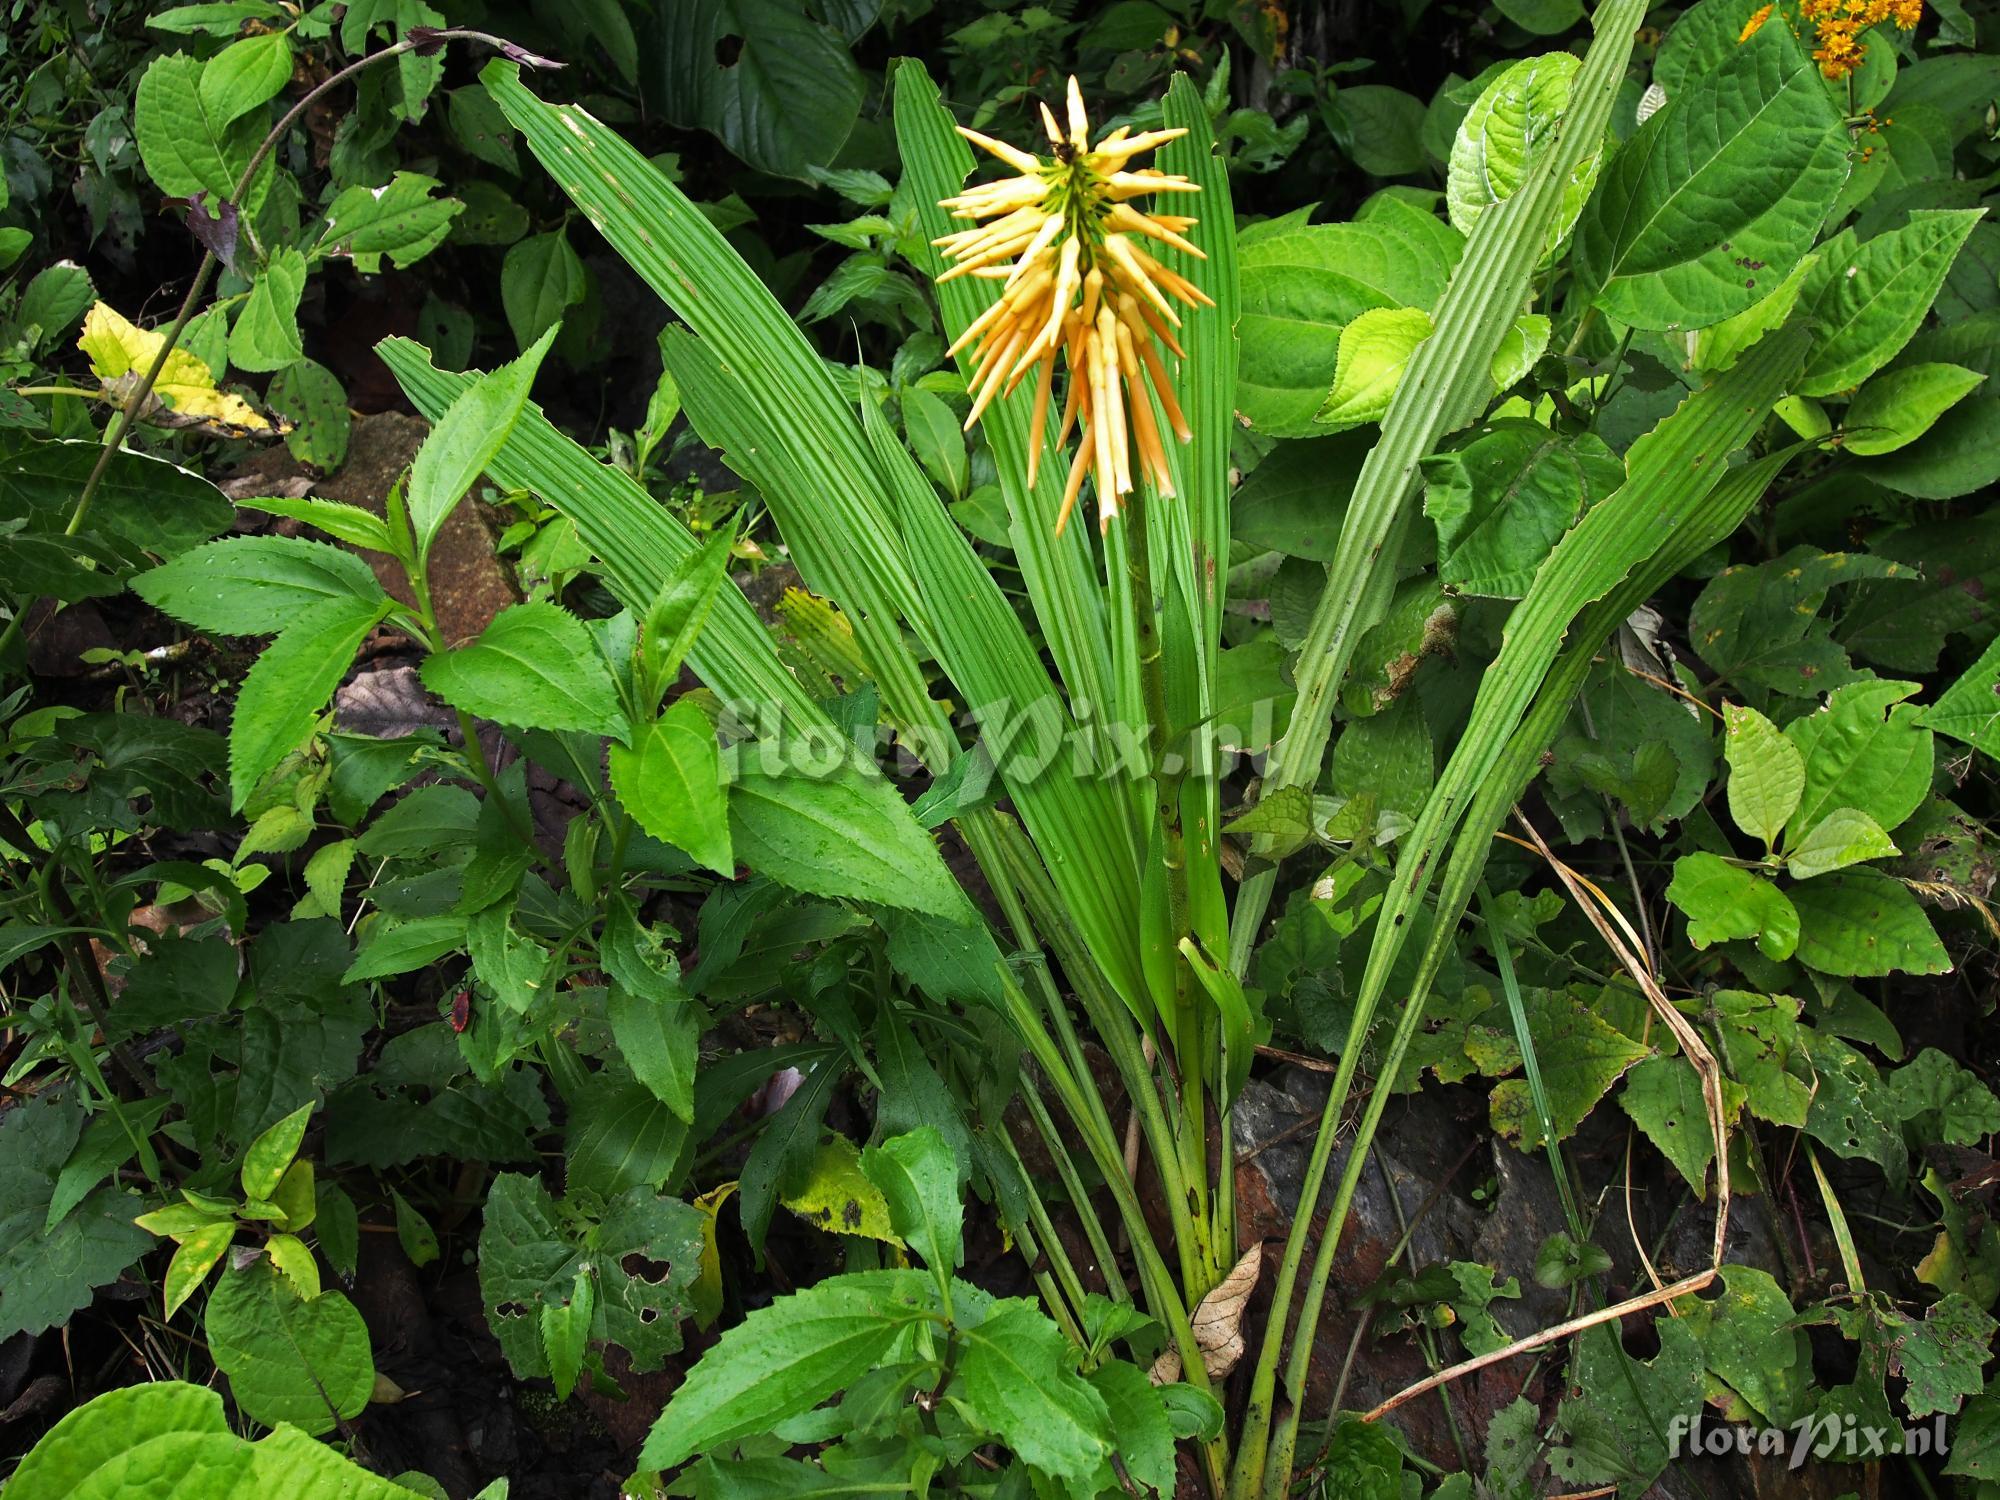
1065, 241
1838, 24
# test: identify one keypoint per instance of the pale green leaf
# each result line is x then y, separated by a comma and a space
1767, 775
1846, 836
465, 439
1896, 407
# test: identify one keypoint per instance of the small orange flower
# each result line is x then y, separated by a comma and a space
1067, 243
1751, 26
1838, 24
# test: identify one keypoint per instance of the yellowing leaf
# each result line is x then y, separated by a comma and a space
705, 1296
839, 1198
121, 354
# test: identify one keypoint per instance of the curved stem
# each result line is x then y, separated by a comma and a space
121, 422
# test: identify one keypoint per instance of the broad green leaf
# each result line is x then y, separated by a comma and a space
244, 75
54, 298
266, 334
1895, 408
1969, 710
1859, 923
1516, 114
287, 1359
534, 667
1865, 302
270, 1155
937, 439
1374, 350
347, 523
1720, 345
566, 1333
94, 1434
673, 621
1767, 774
1502, 500
540, 280
413, 1231
846, 835
1581, 1057
145, 502
312, 398
295, 1197
919, 1180
1723, 902
655, 1021
620, 1136
1664, 1098
670, 781
1954, 458
1760, 1038
392, 947
1963, 1109
787, 1358
1730, 180
255, 585
1942, 1358
1758, 625
1850, 1112
402, 221
194, 1258
296, 1264
1846, 836
1017, 1377
465, 439
1302, 283
1748, 1340
285, 691
1866, 749
643, 1255
835, 1195
186, 149
789, 95
1616, 1410
1139, 1424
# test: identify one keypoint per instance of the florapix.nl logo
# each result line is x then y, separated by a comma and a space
1827, 1436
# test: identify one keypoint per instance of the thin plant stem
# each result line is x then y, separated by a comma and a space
122, 421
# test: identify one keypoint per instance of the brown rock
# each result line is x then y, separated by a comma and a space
469, 583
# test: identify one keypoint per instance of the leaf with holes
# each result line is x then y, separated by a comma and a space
642, 1255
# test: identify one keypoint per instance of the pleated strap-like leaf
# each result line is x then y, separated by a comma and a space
848, 548
1207, 383
638, 541
1078, 823
1058, 570
1601, 564
1446, 385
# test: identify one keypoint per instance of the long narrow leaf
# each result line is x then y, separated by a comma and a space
1446, 385
638, 541
1670, 473
1057, 570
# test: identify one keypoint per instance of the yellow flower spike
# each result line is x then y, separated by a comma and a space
1079, 287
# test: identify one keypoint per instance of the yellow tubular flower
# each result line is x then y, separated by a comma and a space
1077, 283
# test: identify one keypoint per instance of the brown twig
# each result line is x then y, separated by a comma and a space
1588, 897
